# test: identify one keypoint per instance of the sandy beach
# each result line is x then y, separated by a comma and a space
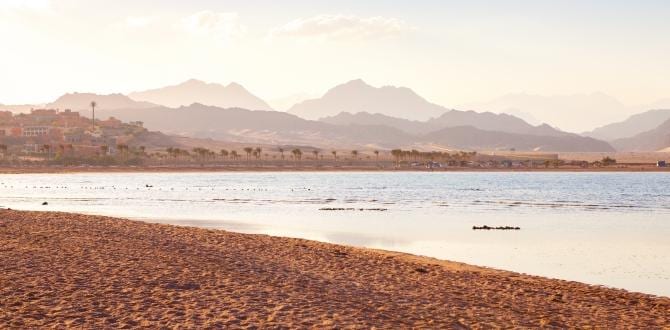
72, 270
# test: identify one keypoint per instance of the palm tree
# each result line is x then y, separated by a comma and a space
607, 161
397, 154
201, 154
47, 151
223, 153
196, 152
281, 151
234, 154
123, 150
258, 151
173, 153
183, 153
415, 154
248, 150
297, 154
377, 155
316, 154
334, 154
354, 154
3, 150
93, 105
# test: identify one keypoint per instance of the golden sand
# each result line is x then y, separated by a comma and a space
71, 270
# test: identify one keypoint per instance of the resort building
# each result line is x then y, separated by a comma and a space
35, 130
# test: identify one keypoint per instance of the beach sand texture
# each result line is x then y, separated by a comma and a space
71, 270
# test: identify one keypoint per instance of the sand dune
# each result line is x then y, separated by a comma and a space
70, 270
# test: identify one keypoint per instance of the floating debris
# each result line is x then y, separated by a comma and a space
485, 227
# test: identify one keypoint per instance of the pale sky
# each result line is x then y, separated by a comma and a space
451, 52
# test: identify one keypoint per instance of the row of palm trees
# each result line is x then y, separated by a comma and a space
256, 153
203, 155
250, 153
415, 155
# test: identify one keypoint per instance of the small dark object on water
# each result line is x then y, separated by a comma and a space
148, 186
45, 203
485, 227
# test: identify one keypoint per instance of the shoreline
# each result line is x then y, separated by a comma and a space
79, 270
234, 169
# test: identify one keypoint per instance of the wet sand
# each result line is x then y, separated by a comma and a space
71, 270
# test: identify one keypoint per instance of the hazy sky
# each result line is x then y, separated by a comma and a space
451, 52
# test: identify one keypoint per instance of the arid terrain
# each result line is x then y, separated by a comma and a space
71, 270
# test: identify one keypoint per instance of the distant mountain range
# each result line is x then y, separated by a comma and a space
656, 139
476, 139
632, 126
357, 96
17, 108
357, 114
267, 127
576, 113
451, 118
196, 91
82, 101
273, 127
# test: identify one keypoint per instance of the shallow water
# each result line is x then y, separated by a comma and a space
602, 228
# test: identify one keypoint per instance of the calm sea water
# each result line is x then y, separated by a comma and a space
602, 228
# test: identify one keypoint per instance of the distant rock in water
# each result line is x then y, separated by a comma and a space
485, 227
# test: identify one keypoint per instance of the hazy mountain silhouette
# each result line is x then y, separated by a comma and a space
469, 137
270, 127
658, 104
452, 118
357, 96
653, 140
196, 91
286, 102
575, 113
526, 116
632, 126
18, 108
82, 101
277, 128
365, 118
492, 122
